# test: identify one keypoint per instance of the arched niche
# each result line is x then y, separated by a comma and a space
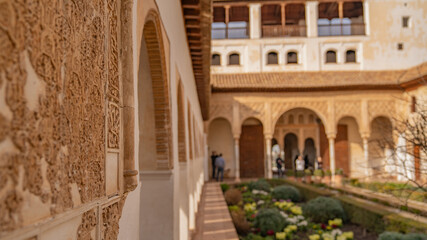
220, 140
380, 141
349, 147
153, 101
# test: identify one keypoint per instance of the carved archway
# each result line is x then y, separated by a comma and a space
153, 56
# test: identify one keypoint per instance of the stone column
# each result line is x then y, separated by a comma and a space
237, 157
130, 173
365, 139
255, 20
331, 138
269, 173
311, 15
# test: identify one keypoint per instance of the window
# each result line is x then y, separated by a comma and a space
216, 60
291, 119
234, 59
400, 46
405, 22
350, 56
331, 56
292, 58
272, 58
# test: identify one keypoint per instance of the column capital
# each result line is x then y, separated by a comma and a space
236, 137
331, 135
365, 135
268, 136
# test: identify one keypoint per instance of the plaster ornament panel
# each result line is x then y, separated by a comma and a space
110, 220
113, 125
224, 110
348, 109
377, 108
319, 107
86, 228
61, 141
252, 109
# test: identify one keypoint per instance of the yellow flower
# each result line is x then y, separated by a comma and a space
314, 237
280, 235
329, 227
320, 232
337, 222
291, 228
296, 210
348, 235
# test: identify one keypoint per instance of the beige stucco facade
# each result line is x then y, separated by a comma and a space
88, 116
359, 95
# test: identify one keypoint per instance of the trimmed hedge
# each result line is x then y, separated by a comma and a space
322, 209
286, 192
373, 217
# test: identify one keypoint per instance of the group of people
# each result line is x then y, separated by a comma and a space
300, 164
218, 165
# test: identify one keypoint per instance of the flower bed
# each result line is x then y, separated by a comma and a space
266, 213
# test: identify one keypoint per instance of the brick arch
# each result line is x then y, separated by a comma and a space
152, 34
182, 151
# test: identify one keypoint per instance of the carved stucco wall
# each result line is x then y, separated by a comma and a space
330, 109
59, 109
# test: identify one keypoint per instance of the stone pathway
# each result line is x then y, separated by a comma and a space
213, 219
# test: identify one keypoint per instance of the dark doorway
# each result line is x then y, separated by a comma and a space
291, 150
309, 151
252, 150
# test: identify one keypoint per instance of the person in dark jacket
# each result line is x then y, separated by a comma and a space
220, 164
213, 158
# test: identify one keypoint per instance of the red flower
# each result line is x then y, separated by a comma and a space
270, 232
253, 215
334, 226
323, 226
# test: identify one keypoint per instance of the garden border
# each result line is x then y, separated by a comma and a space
373, 216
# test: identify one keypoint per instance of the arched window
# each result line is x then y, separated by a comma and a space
234, 59
292, 58
216, 60
331, 56
291, 119
350, 56
301, 119
272, 58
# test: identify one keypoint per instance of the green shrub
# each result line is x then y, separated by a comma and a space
261, 184
224, 187
339, 171
400, 236
328, 173
322, 209
269, 219
233, 208
286, 192
252, 236
233, 196
318, 173
300, 174
289, 173
308, 172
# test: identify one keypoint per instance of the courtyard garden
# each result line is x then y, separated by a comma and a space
282, 209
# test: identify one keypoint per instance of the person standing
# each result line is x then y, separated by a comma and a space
279, 163
319, 163
299, 164
220, 164
213, 157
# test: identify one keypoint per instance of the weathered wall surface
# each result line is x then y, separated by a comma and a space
60, 118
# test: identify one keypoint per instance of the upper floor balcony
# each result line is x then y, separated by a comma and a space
240, 20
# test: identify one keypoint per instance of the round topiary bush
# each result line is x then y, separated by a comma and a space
269, 219
233, 196
286, 192
261, 184
322, 209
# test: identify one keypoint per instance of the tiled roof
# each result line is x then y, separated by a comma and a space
320, 80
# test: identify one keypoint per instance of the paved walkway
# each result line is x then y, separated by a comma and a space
213, 219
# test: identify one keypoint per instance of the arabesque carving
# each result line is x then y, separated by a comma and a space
58, 68
110, 220
88, 224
